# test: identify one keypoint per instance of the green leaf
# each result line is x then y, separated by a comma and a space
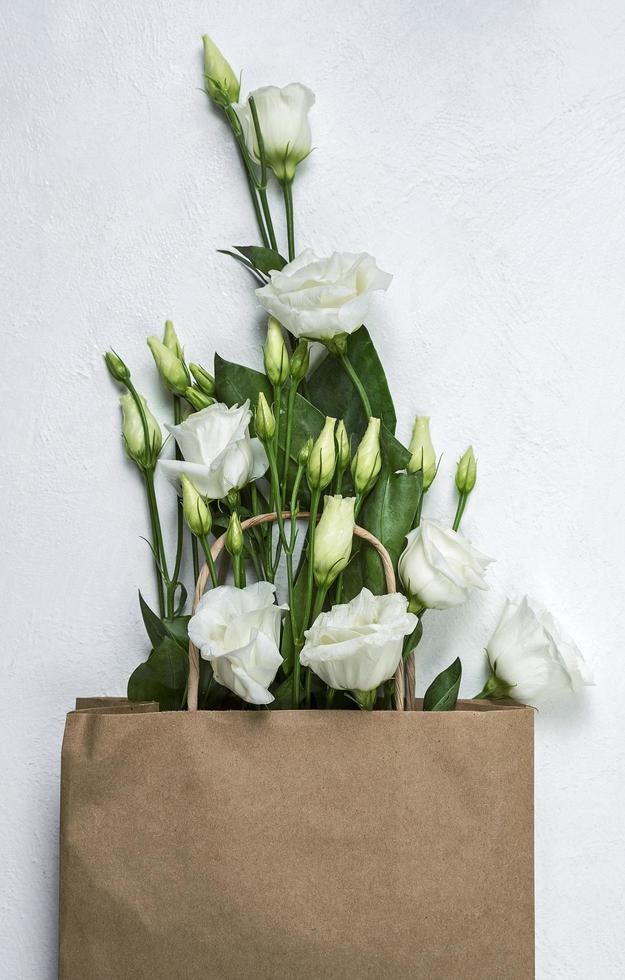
158, 629
266, 260
442, 693
333, 393
388, 512
162, 677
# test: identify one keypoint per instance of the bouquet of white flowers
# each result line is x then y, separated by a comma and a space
264, 460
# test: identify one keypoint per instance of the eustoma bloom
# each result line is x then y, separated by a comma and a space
219, 454
333, 539
283, 121
531, 657
319, 298
238, 631
358, 645
439, 567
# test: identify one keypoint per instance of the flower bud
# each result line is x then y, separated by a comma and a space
116, 367
423, 455
466, 473
322, 459
264, 421
222, 85
234, 535
305, 451
203, 379
300, 362
171, 341
197, 398
333, 539
367, 462
145, 453
342, 444
169, 366
196, 512
275, 354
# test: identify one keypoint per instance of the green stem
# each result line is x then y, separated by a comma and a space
310, 581
157, 540
330, 692
262, 187
235, 126
196, 558
417, 518
210, 561
290, 411
287, 188
171, 588
350, 371
238, 569
262, 193
462, 503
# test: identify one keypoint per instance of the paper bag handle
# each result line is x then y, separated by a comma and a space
202, 581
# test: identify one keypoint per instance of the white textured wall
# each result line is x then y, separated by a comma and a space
478, 150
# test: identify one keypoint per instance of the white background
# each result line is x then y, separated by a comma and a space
478, 151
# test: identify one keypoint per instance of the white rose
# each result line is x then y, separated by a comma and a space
358, 645
283, 120
219, 454
320, 298
439, 567
238, 631
531, 657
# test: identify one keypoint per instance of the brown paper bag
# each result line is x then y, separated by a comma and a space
297, 844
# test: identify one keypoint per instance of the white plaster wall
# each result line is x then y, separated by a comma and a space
477, 149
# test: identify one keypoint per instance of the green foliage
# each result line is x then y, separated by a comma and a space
442, 693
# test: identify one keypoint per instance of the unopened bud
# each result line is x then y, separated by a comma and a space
264, 420
342, 445
116, 367
322, 459
367, 462
222, 84
195, 509
169, 366
171, 341
143, 451
203, 379
300, 362
423, 457
275, 354
234, 535
198, 399
333, 539
466, 474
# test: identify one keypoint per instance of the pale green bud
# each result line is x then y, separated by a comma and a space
196, 512
116, 367
423, 456
333, 539
222, 84
466, 474
305, 451
275, 354
322, 459
367, 462
300, 362
144, 453
171, 341
234, 535
169, 366
264, 421
197, 398
203, 379
342, 443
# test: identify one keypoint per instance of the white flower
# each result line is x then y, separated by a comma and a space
238, 631
358, 645
320, 298
283, 119
219, 454
439, 567
333, 539
530, 655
